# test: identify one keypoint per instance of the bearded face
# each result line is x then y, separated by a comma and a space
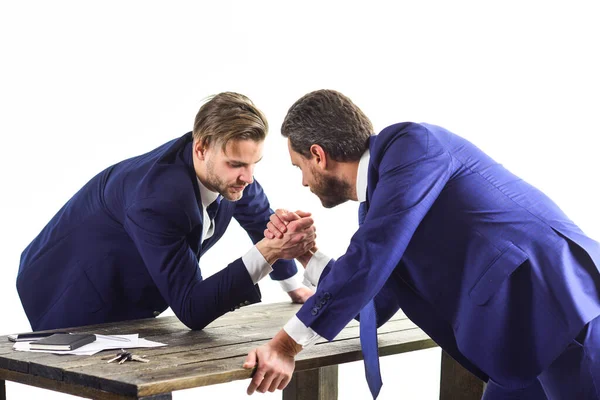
230, 169
331, 190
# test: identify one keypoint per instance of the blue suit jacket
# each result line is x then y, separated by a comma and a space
483, 262
127, 246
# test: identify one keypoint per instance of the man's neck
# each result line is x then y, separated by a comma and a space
352, 175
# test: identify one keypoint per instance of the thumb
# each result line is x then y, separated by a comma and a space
250, 360
303, 214
286, 216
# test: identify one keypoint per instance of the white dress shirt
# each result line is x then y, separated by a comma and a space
302, 334
253, 260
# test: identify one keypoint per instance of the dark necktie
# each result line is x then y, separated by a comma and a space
368, 333
213, 207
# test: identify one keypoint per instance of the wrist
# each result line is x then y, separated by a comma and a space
284, 344
267, 252
305, 258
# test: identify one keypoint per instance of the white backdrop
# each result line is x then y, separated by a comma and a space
83, 86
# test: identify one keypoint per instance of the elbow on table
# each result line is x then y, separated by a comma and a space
195, 324
197, 319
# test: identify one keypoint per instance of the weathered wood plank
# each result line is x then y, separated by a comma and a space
456, 381
188, 343
313, 384
5, 345
255, 316
168, 330
55, 368
207, 373
111, 377
62, 387
185, 356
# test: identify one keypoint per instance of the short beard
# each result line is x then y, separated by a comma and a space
217, 185
331, 190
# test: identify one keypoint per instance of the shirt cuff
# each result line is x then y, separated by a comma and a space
291, 283
256, 265
315, 267
301, 334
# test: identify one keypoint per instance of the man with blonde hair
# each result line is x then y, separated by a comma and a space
128, 244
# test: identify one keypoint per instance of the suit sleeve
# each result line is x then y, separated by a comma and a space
252, 212
386, 301
411, 174
159, 229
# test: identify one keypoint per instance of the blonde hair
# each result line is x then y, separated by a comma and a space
229, 116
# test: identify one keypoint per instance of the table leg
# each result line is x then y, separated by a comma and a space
458, 383
2, 389
313, 384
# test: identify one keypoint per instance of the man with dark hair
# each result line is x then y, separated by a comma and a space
483, 262
127, 245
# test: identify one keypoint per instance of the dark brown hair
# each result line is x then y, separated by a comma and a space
331, 120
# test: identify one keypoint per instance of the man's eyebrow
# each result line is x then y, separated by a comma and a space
242, 163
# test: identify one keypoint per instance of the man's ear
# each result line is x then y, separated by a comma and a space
200, 148
318, 156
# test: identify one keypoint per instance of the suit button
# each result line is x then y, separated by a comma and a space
326, 296
314, 311
246, 302
156, 313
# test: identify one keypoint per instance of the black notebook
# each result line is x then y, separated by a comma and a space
62, 342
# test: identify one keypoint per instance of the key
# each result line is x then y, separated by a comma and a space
117, 357
125, 357
139, 358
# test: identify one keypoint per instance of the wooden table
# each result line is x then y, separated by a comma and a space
215, 355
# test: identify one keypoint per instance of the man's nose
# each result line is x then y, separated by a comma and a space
247, 175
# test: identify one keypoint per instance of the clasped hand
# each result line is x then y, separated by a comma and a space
281, 222
288, 235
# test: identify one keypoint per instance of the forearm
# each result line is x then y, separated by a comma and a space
220, 293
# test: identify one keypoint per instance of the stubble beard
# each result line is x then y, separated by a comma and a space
331, 190
218, 185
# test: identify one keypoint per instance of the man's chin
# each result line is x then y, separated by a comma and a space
330, 203
233, 196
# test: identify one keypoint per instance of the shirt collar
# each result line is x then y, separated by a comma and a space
362, 176
207, 196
